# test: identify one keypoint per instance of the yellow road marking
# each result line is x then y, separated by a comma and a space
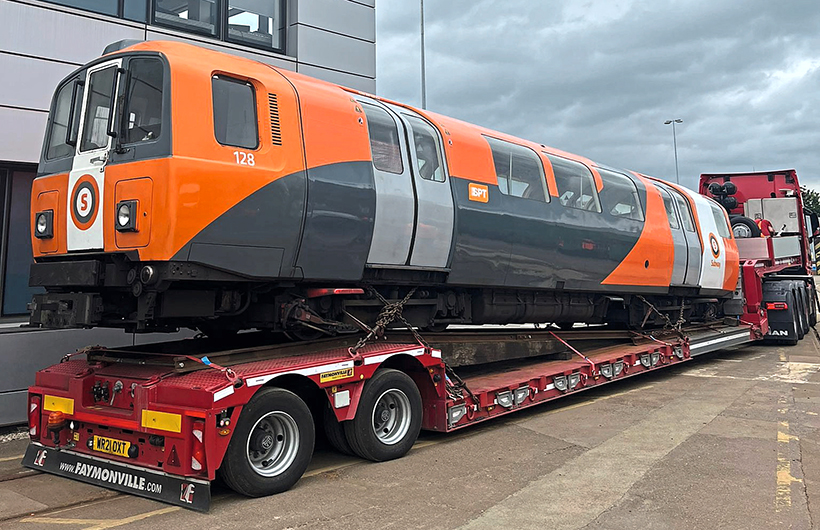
783, 493
100, 524
10, 458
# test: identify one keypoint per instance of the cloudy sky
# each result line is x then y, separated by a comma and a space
599, 77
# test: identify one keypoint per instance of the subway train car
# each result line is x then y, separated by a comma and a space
182, 187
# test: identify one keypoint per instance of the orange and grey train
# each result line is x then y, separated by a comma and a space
182, 187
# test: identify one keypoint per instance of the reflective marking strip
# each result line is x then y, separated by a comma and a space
437, 354
637, 363
262, 379
58, 404
225, 392
381, 358
719, 340
549, 387
164, 421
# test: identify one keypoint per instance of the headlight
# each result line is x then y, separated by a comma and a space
44, 224
127, 216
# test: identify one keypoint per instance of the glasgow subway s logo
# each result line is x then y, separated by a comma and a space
84, 202
713, 243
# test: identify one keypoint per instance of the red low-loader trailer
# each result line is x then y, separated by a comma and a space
164, 421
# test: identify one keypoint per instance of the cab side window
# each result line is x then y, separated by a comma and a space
720, 220
384, 140
235, 121
518, 170
60, 142
428, 149
670, 209
576, 185
620, 195
685, 212
144, 101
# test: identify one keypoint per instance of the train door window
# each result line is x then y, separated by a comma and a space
518, 170
720, 220
670, 209
384, 140
97, 109
60, 144
190, 15
685, 211
234, 113
620, 196
576, 185
144, 102
428, 149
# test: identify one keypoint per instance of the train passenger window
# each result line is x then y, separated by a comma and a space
720, 220
384, 140
576, 185
428, 150
95, 124
58, 141
190, 15
144, 102
670, 209
620, 195
518, 170
685, 212
235, 113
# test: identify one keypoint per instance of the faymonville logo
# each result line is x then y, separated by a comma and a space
119, 478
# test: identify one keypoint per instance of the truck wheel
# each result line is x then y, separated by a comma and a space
792, 303
744, 227
802, 312
271, 446
812, 307
388, 419
335, 432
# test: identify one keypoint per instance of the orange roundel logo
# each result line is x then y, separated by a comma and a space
713, 243
85, 198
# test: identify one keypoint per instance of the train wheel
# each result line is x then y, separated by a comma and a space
335, 432
388, 419
272, 444
744, 227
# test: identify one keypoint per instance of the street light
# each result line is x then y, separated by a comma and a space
423, 67
675, 145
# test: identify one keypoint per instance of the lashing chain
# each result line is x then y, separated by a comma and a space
677, 326
390, 312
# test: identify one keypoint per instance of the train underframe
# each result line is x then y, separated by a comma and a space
165, 296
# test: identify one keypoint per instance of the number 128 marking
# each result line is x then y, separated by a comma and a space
244, 159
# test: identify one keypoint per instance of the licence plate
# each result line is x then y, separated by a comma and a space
111, 446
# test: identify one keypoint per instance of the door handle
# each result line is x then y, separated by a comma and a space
99, 160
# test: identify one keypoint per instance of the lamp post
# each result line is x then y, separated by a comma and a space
423, 67
675, 145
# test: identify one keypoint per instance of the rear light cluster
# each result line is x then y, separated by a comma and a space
34, 410
777, 306
198, 449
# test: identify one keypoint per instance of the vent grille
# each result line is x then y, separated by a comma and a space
275, 130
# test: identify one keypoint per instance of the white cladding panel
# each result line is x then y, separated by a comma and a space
345, 17
30, 83
21, 134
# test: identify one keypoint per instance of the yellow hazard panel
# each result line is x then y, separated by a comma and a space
164, 421
61, 404
335, 375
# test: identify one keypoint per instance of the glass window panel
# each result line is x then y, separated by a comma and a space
16, 292
576, 185
384, 140
106, 7
144, 103
670, 209
720, 220
685, 212
95, 125
428, 150
135, 10
235, 113
620, 195
57, 146
256, 22
518, 170
199, 16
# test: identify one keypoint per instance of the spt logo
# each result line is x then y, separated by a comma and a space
84, 202
713, 244
479, 192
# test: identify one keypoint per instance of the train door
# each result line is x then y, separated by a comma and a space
714, 230
694, 249
86, 181
433, 233
395, 196
678, 237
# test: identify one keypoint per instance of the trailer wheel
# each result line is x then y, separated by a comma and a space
335, 432
744, 227
271, 446
388, 419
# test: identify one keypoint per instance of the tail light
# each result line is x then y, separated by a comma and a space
198, 449
776, 306
34, 416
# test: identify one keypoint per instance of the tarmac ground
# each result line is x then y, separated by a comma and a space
728, 440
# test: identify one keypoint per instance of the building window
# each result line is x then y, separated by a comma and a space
384, 140
518, 170
620, 195
234, 113
198, 16
144, 101
576, 185
15, 292
259, 24
428, 150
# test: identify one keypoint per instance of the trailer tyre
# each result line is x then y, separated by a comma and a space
388, 419
335, 432
744, 227
271, 446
